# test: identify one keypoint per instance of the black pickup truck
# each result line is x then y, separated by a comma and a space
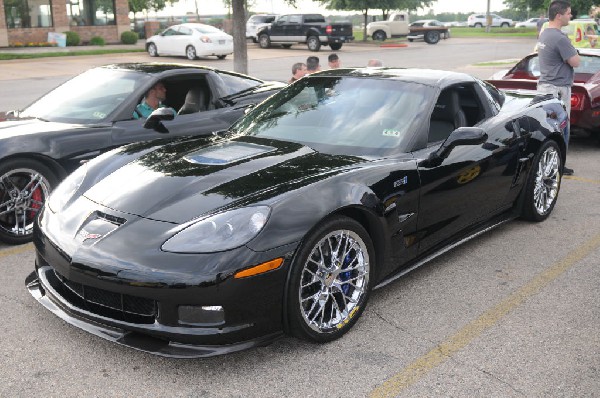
311, 29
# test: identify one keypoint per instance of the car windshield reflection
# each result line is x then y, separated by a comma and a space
88, 98
349, 115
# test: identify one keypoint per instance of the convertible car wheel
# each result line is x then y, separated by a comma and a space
190, 53
24, 186
152, 51
330, 280
543, 183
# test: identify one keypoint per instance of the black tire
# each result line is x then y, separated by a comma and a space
313, 43
335, 46
411, 40
379, 35
286, 45
317, 287
432, 37
190, 53
543, 183
221, 56
152, 50
264, 41
24, 186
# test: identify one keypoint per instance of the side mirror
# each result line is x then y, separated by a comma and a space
156, 118
460, 136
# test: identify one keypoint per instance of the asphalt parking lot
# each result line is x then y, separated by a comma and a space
512, 313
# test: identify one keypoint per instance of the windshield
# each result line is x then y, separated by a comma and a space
88, 98
342, 115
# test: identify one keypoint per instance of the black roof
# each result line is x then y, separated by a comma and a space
155, 67
430, 77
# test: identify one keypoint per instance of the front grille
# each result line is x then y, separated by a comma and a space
122, 307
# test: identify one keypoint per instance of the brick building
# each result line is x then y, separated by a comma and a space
25, 21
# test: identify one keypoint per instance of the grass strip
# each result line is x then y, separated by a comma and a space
8, 56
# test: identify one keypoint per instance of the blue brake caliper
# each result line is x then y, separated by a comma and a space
344, 276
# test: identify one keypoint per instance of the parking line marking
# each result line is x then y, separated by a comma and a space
581, 179
445, 350
16, 250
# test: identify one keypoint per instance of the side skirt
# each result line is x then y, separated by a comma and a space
496, 222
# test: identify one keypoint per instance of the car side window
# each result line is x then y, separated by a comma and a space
533, 67
185, 31
170, 32
295, 19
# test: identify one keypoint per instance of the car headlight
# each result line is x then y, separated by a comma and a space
220, 232
66, 189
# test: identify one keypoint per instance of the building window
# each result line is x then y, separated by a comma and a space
28, 13
91, 12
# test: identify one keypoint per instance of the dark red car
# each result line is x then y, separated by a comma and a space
585, 95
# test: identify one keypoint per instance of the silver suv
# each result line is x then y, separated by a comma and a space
257, 21
478, 21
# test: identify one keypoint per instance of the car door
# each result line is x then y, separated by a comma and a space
166, 41
183, 39
278, 28
293, 30
473, 181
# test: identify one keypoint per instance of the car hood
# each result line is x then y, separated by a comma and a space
20, 127
179, 182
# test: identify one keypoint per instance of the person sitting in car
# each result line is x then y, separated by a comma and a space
152, 101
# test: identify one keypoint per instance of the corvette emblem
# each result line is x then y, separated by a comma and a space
86, 235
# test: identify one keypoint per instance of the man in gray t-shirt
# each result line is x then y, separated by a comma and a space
557, 57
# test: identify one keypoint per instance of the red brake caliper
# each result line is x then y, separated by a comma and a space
36, 199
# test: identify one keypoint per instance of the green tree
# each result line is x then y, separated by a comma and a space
579, 7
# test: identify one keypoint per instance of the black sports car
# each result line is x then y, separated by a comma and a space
93, 113
334, 186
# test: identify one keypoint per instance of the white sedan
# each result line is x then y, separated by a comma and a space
191, 40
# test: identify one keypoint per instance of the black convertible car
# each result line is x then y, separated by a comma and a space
93, 113
334, 186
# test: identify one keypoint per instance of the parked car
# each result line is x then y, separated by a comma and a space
395, 26
582, 33
429, 30
479, 20
585, 93
257, 21
93, 113
338, 184
191, 40
530, 23
311, 29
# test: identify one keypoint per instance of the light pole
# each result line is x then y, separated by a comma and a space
488, 18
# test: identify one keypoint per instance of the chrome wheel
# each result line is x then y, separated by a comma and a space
264, 41
334, 281
313, 43
22, 194
190, 53
152, 51
547, 180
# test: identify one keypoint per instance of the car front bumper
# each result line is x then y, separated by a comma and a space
158, 313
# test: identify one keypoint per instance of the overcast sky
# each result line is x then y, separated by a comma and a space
308, 6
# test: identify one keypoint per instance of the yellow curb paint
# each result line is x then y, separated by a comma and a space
581, 179
412, 373
16, 250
